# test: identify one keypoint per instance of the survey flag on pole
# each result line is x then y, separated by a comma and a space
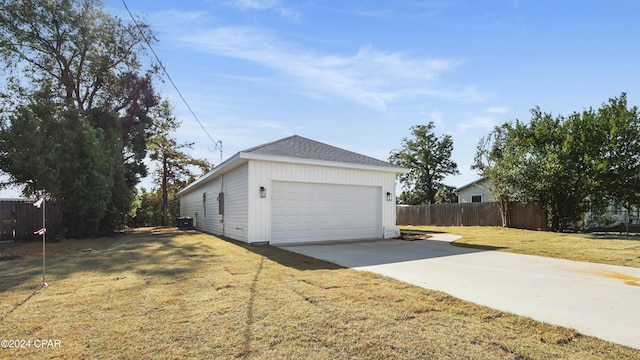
39, 202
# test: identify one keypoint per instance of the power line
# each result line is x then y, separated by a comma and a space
217, 144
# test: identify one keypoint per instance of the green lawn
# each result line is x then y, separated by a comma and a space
613, 249
167, 294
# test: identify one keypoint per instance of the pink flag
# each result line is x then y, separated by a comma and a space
40, 232
39, 202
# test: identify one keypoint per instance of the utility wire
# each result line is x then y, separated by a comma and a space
217, 144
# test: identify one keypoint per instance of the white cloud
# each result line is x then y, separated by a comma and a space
172, 20
478, 122
435, 116
263, 5
485, 121
290, 14
369, 76
500, 110
389, 10
255, 4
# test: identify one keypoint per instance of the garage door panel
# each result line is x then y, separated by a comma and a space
304, 212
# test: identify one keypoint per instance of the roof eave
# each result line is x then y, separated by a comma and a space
243, 156
474, 183
226, 166
305, 161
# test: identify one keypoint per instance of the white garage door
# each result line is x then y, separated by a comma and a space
304, 212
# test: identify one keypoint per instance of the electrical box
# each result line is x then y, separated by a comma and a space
221, 203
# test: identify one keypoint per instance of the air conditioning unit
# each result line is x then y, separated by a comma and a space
184, 223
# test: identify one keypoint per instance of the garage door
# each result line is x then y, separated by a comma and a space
304, 212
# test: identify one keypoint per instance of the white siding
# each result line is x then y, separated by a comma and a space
233, 223
188, 206
205, 218
235, 203
465, 195
263, 173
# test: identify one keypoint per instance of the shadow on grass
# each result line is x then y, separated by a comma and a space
155, 253
148, 253
284, 257
407, 229
615, 236
479, 247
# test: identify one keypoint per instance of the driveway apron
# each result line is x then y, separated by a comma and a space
595, 299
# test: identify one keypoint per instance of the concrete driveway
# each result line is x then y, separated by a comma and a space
597, 300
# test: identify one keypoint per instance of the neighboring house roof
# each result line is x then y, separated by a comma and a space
472, 184
300, 150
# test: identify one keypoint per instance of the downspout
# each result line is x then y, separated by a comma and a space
222, 191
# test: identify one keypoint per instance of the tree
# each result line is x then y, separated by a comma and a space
558, 164
619, 175
494, 159
76, 106
146, 209
175, 169
552, 161
446, 195
569, 165
428, 159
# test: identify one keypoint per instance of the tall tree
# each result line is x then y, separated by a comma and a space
569, 165
74, 81
558, 164
494, 159
428, 159
620, 168
554, 161
176, 167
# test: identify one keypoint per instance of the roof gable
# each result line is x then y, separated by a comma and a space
300, 147
482, 182
297, 149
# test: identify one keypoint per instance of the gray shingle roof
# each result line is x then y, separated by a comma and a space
300, 147
477, 182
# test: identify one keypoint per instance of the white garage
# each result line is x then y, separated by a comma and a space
303, 212
295, 190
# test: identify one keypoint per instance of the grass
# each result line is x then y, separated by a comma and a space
33, 249
612, 249
161, 293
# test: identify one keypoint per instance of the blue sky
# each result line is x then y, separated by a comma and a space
358, 74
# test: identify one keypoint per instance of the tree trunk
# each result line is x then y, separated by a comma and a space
505, 211
165, 195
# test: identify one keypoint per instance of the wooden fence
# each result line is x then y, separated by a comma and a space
19, 219
523, 216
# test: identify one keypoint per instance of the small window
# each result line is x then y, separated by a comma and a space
476, 198
204, 205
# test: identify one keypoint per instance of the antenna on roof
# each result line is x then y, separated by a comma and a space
217, 146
